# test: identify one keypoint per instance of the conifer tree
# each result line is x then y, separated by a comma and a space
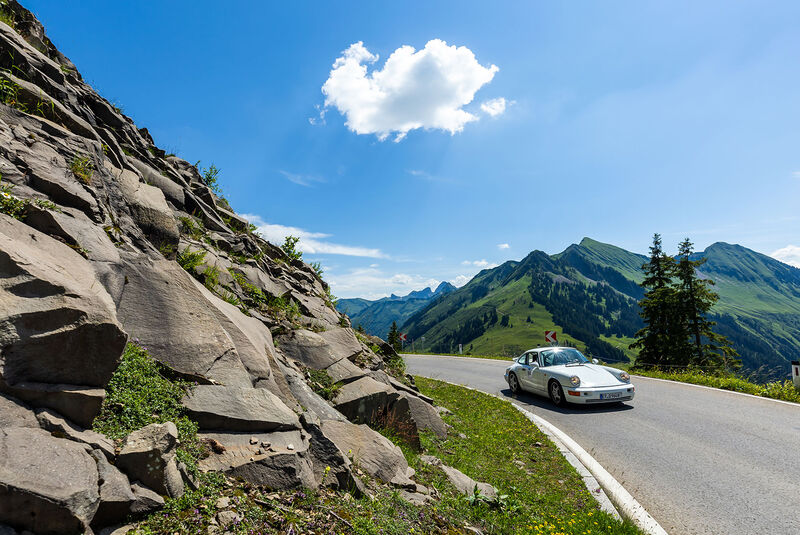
660, 339
703, 346
393, 338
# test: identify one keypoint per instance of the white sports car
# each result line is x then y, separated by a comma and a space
564, 374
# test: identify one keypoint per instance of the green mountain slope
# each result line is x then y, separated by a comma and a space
588, 293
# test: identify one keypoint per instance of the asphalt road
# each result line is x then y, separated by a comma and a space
701, 461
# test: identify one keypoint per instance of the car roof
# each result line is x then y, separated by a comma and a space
542, 348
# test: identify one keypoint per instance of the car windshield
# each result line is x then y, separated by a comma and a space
556, 357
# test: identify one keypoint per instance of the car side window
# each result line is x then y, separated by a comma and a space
523, 359
533, 358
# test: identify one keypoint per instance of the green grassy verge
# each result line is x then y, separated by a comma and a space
782, 390
542, 492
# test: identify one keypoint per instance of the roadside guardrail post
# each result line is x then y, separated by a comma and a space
796, 373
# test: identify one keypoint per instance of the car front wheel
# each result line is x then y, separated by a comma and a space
513, 382
557, 394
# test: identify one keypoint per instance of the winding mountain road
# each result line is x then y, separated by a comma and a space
700, 460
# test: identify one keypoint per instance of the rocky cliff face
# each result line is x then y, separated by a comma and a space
104, 239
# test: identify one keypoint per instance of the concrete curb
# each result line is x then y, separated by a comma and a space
626, 504
621, 498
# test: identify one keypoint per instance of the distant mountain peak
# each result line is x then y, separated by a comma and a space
443, 287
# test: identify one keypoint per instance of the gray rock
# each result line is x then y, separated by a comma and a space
331, 466
173, 192
55, 315
307, 398
414, 498
466, 485
47, 485
149, 209
373, 452
363, 400
276, 466
238, 409
177, 320
329, 350
371, 402
148, 455
116, 496
425, 415
52, 422
78, 403
77, 230
14, 413
145, 500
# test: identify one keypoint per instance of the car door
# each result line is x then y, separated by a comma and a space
524, 371
537, 377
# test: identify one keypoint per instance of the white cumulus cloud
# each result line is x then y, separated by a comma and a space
310, 242
425, 88
494, 107
788, 255
502, 246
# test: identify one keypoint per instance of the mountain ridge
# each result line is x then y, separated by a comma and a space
758, 310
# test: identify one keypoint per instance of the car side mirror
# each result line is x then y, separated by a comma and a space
595, 361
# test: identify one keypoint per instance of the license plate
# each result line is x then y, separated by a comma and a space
612, 395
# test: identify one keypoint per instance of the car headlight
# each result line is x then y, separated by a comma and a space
575, 380
625, 377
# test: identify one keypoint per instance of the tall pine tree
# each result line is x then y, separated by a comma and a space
393, 338
662, 332
703, 346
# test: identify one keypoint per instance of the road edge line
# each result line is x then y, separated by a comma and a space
625, 503
716, 389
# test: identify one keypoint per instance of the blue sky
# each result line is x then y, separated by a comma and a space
617, 120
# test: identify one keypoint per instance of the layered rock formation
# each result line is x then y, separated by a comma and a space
103, 237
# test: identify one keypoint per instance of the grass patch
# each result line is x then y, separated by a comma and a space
192, 227
255, 298
18, 208
542, 492
321, 383
142, 392
83, 168
782, 390
8, 17
189, 259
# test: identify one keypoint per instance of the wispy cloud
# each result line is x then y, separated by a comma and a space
302, 180
310, 242
483, 263
788, 255
424, 175
502, 246
495, 106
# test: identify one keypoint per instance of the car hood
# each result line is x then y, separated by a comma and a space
589, 374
